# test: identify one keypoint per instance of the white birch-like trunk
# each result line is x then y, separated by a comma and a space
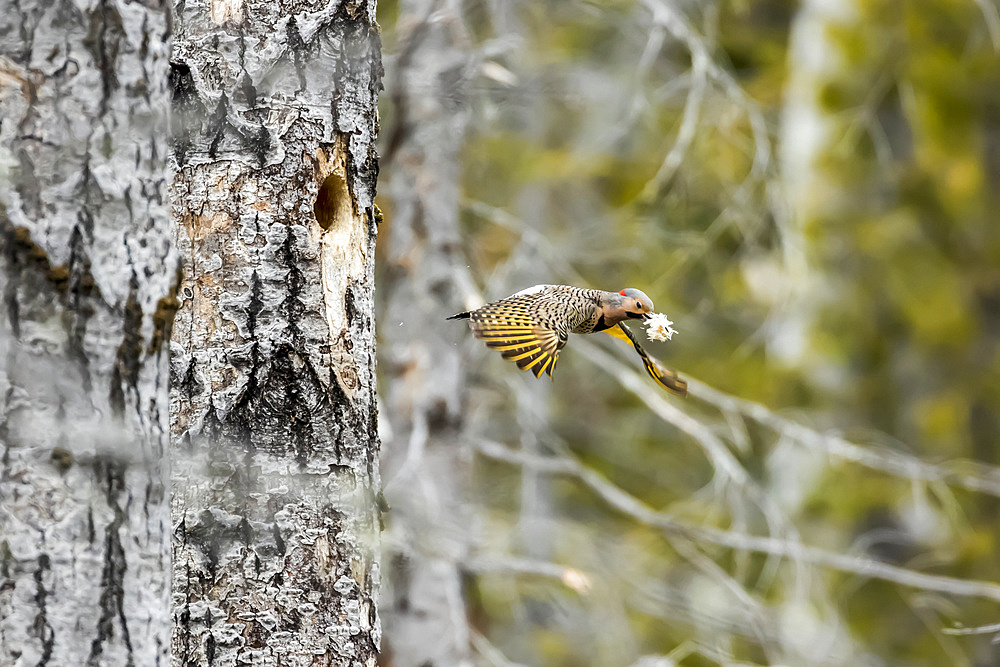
87, 275
273, 355
806, 132
429, 530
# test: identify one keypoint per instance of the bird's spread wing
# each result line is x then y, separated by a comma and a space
663, 376
513, 327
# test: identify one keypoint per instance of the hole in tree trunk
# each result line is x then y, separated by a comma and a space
332, 198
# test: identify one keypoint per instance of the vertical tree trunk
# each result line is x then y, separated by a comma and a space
273, 358
806, 132
429, 535
86, 282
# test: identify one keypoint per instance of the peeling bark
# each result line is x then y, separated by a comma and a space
273, 385
87, 278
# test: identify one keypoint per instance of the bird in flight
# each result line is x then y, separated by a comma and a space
532, 326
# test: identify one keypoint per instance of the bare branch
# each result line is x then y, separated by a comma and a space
969, 475
639, 511
992, 18
980, 630
668, 16
489, 652
572, 577
689, 125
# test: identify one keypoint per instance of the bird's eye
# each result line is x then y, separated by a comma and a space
638, 305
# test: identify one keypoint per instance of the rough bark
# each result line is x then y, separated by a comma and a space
429, 533
86, 300
273, 399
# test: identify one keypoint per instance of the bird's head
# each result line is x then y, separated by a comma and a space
630, 303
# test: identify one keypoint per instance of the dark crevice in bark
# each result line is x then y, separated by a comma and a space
245, 532
258, 141
341, 404
25, 33
350, 309
209, 638
373, 452
103, 38
293, 304
247, 89
289, 390
241, 418
6, 558
183, 622
82, 288
112, 604
125, 374
249, 96
189, 385
217, 124
28, 187
187, 109
41, 627
279, 543
296, 46
9, 255
91, 529
5, 460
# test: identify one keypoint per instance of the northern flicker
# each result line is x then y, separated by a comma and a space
532, 326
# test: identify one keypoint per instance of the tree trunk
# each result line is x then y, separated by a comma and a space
87, 276
273, 356
429, 533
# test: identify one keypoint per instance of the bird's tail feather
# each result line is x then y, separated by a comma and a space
663, 376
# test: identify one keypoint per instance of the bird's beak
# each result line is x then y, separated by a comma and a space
646, 316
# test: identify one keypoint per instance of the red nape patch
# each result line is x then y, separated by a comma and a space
622, 292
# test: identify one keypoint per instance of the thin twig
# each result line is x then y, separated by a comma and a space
979, 630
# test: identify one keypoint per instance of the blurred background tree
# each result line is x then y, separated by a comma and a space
809, 191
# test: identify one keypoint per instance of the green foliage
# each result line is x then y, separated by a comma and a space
893, 337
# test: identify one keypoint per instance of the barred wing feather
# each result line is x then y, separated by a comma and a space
511, 328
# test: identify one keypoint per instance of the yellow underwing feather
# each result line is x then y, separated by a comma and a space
615, 332
523, 355
548, 365
532, 363
520, 334
519, 338
504, 346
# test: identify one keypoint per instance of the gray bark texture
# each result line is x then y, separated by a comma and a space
429, 531
87, 278
273, 356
